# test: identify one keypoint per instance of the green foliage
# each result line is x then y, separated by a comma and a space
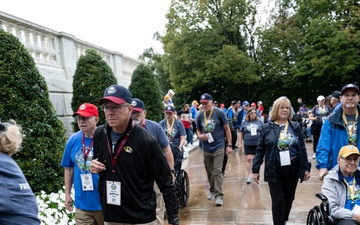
25, 98
145, 87
92, 76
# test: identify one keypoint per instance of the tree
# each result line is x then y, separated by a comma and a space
203, 36
25, 98
145, 87
92, 76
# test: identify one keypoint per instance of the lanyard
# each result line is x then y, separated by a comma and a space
347, 124
86, 152
207, 119
170, 128
118, 150
282, 135
351, 191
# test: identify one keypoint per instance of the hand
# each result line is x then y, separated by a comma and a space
307, 175
69, 203
256, 177
203, 137
228, 149
322, 173
96, 166
356, 217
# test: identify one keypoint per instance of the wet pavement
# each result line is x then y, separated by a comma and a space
243, 203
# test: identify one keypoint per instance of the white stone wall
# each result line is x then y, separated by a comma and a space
56, 55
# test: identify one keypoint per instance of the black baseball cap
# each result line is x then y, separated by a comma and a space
139, 105
336, 94
205, 97
169, 108
350, 86
117, 94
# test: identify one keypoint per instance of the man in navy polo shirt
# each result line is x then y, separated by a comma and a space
138, 115
212, 126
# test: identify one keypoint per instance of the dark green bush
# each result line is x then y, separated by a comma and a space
25, 98
92, 76
144, 86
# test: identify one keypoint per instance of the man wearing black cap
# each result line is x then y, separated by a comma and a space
340, 129
138, 115
335, 99
212, 126
128, 160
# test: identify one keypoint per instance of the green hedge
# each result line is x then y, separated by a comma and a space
25, 98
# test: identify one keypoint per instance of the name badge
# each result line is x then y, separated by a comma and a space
113, 190
253, 131
285, 158
87, 182
210, 137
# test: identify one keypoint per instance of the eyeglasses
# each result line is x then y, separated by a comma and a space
78, 118
284, 108
114, 108
349, 160
253, 113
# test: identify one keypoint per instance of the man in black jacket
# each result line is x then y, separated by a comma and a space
129, 159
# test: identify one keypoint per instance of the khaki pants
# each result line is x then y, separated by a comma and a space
160, 206
88, 217
213, 164
112, 223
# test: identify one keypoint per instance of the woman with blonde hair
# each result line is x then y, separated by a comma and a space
249, 135
17, 202
282, 145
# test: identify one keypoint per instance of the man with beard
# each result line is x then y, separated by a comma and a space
138, 116
340, 129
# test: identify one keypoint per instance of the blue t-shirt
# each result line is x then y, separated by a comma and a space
349, 204
74, 157
17, 202
286, 142
213, 124
246, 127
193, 112
175, 133
157, 131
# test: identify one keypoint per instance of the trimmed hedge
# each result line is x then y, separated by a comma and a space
25, 98
145, 86
92, 76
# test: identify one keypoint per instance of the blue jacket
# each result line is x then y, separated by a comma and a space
333, 136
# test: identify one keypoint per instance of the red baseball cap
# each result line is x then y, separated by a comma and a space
87, 110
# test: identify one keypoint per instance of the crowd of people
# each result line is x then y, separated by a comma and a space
123, 171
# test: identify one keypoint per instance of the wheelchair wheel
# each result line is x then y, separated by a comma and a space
184, 188
316, 217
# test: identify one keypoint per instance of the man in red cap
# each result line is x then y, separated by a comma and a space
128, 160
76, 161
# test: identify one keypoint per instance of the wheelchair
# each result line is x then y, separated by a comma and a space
320, 215
182, 185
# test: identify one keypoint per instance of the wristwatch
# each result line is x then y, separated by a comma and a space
229, 145
175, 221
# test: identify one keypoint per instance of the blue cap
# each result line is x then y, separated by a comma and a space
245, 103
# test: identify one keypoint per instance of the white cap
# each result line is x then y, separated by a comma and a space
171, 92
320, 97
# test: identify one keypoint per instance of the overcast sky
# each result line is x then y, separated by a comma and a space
126, 26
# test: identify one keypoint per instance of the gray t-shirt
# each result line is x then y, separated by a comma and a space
213, 124
251, 139
157, 131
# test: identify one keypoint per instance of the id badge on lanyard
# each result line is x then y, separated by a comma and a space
113, 190
87, 182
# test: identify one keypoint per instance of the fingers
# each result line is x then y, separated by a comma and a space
96, 166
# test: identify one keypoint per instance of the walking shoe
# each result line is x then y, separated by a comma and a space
219, 201
313, 156
185, 154
211, 196
249, 180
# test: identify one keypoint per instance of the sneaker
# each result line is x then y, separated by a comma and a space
313, 156
211, 196
190, 145
249, 180
219, 201
185, 154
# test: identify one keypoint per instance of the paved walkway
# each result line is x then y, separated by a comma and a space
243, 203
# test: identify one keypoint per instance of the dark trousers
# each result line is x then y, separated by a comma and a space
282, 194
233, 138
344, 222
316, 137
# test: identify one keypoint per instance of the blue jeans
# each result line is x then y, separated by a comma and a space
308, 132
189, 135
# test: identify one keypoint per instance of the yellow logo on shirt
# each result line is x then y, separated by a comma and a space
128, 149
